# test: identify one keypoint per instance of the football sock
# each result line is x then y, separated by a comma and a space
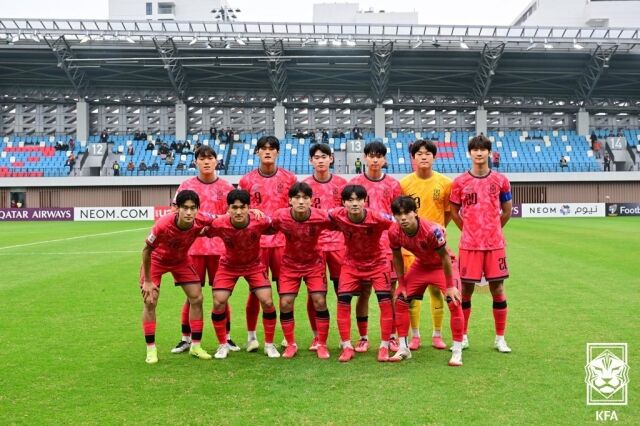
500, 313
228, 311
386, 316
436, 302
363, 326
456, 321
219, 319
184, 321
252, 310
415, 332
196, 331
149, 329
415, 311
344, 317
311, 313
322, 321
288, 323
269, 319
384, 344
403, 343
466, 311
402, 317
252, 335
436, 333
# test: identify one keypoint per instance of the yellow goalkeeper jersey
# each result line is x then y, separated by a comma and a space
431, 195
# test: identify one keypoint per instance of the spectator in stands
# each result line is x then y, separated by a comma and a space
607, 162
220, 165
597, 148
143, 136
116, 168
137, 136
150, 146
158, 140
594, 139
213, 133
131, 167
179, 147
325, 136
357, 133
298, 134
563, 162
130, 150
142, 167
163, 150
180, 166
222, 135
340, 133
198, 145
230, 134
495, 159
72, 144
173, 146
14, 205
61, 146
155, 166
358, 165
186, 147
104, 136
71, 161
169, 160
192, 165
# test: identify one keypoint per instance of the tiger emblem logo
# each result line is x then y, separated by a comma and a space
607, 374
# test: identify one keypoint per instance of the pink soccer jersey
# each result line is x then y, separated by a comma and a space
213, 199
302, 251
242, 245
363, 248
380, 194
170, 244
424, 244
480, 200
269, 193
327, 195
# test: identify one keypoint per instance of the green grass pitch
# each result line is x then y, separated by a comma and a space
72, 349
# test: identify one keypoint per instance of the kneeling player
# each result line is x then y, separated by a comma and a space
166, 251
302, 226
240, 231
432, 266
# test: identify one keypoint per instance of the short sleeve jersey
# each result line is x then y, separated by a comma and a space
429, 238
431, 195
480, 200
242, 244
363, 240
327, 195
302, 251
269, 193
380, 194
171, 244
213, 199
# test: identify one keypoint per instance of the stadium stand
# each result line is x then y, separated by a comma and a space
32, 156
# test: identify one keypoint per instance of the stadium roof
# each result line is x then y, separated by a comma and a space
298, 63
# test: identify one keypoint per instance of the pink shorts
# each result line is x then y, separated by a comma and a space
315, 279
226, 279
183, 273
351, 279
490, 263
334, 259
205, 266
418, 277
271, 257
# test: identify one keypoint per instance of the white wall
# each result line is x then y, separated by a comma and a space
185, 10
349, 13
578, 13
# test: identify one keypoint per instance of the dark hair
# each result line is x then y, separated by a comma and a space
300, 187
404, 204
428, 145
375, 147
322, 147
479, 142
238, 195
348, 190
187, 195
205, 151
272, 141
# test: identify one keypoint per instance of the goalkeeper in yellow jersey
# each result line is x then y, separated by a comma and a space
430, 190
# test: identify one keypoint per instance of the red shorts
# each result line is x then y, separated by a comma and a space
418, 277
183, 273
205, 265
226, 279
315, 279
271, 257
491, 263
351, 279
334, 259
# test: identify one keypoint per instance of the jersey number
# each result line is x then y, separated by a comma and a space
257, 198
502, 263
417, 200
470, 199
316, 203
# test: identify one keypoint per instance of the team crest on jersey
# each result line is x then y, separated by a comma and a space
436, 194
493, 189
280, 187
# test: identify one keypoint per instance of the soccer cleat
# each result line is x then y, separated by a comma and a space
271, 351
252, 345
222, 352
198, 352
383, 354
232, 346
314, 344
414, 345
438, 343
182, 346
501, 345
284, 343
403, 353
362, 345
456, 358
322, 352
393, 344
290, 351
347, 354
152, 356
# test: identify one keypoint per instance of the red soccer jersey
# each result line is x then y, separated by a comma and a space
171, 244
480, 199
424, 244
213, 199
364, 249
327, 195
380, 194
242, 245
302, 251
269, 193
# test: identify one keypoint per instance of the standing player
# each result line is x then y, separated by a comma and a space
268, 186
432, 268
481, 207
326, 189
430, 190
381, 189
165, 251
302, 227
241, 233
205, 252
365, 265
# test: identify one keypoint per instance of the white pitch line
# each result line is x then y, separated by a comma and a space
71, 238
62, 253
